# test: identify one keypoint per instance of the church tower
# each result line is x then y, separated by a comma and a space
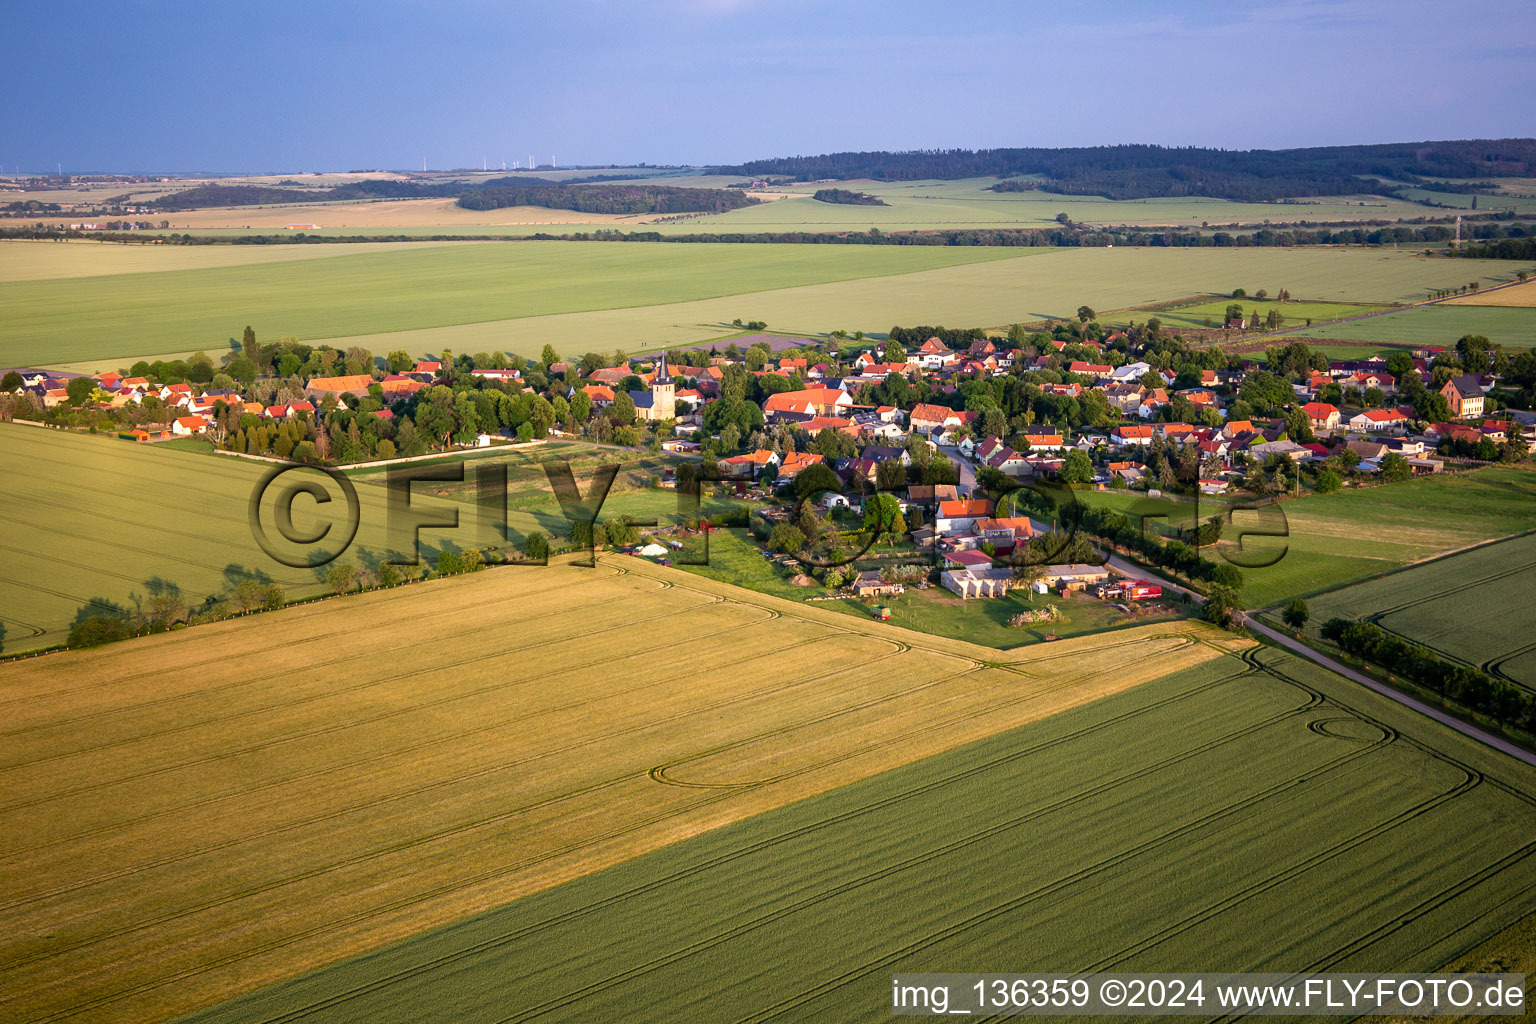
663, 399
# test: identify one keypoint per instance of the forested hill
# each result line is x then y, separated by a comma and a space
487, 195
847, 198
1139, 172
205, 196
609, 198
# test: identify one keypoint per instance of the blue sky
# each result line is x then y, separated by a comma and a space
295, 86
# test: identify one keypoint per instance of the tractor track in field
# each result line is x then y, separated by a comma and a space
810, 829
343, 766
1471, 778
489, 875
301, 701
266, 646
420, 840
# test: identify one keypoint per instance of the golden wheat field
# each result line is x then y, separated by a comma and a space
187, 816
1520, 295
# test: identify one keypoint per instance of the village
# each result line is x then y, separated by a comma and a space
926, 448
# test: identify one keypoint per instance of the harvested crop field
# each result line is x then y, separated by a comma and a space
1523, 295
94, 525
1473, 607
1253, 813
190, 815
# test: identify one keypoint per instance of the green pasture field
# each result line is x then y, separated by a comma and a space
1511, 326
22, 260
578, 296
967, 203
93, 524
996, 292
1294, 312
1463, 201
1358, 532
1473, 607
364, 292
958, 204
734, 559
1314, 826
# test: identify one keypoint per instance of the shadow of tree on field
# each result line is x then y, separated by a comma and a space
235, 574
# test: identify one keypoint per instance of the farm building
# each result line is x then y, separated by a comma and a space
869, 584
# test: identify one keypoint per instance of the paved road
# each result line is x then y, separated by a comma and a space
1292, 644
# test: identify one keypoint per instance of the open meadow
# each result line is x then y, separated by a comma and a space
910, 206
580, 296
1252, 813
94, 525
190, 815
1440, 324
1473, 607
365, 291
1205, 315
1358, 532
734, 559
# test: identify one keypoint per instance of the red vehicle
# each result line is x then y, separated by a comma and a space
1141, 590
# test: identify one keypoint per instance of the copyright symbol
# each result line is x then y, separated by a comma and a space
296, 545
1112, 992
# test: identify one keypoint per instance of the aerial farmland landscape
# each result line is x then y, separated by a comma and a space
724, 511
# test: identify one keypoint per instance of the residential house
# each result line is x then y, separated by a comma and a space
931, 495
811, 401
1368, 451
795, 462
186, 426
1005, 533
960, 515
1130, 434
1378, 420
1289, 449
601, 395
748, 466
1044, 440
935, 419
319, 388
1465, 395
1321, 415
1152, 403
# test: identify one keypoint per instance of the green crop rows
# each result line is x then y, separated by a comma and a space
1251, 814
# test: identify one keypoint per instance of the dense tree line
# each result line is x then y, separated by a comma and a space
207, 196
847, 198
1137, 172
1070, 236
1470, 687
609, 198
1510, 248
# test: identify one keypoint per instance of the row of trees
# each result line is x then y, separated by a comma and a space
1470, 687
1141, 171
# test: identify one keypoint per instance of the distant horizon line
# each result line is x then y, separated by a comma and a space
644, 165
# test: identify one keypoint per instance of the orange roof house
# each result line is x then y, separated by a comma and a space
351, 384
795, 462
813, 401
